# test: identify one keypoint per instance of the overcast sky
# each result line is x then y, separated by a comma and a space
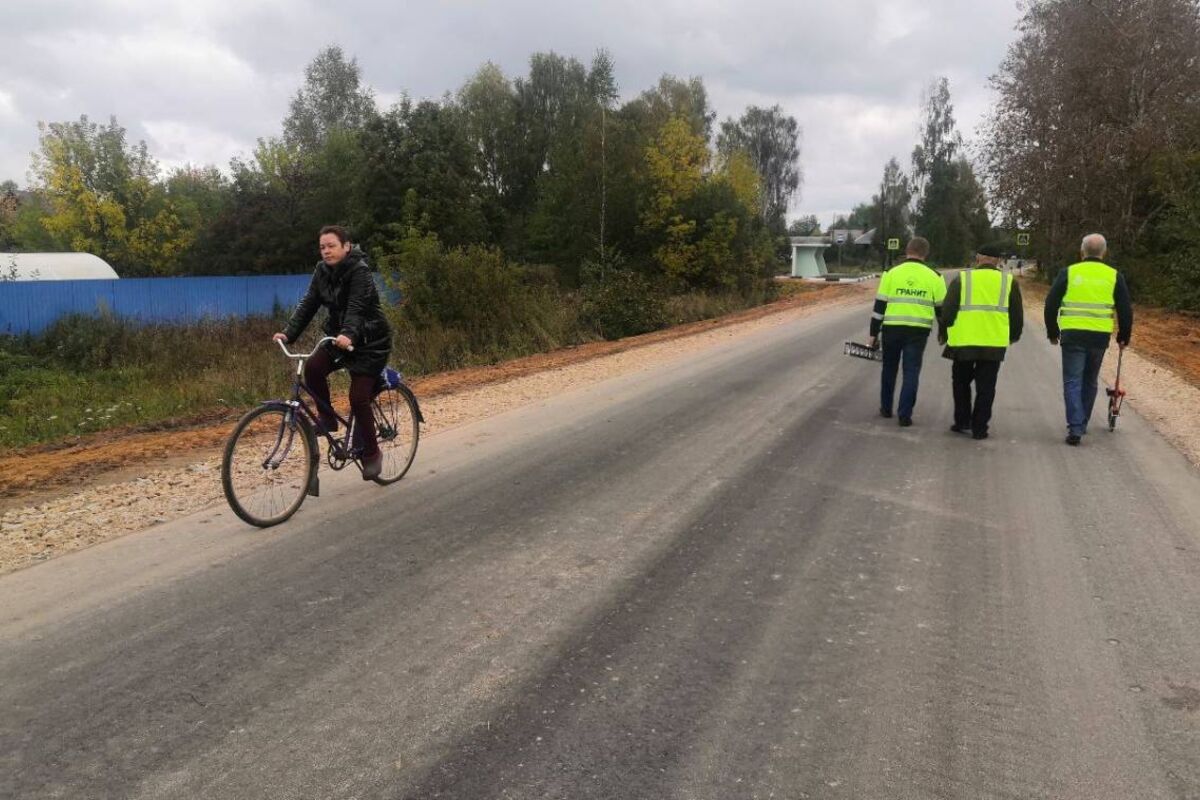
200, 80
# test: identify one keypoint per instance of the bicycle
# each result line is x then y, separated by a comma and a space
271, 458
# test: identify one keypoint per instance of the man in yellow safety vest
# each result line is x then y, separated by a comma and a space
905, 311
982, 316
1086, 302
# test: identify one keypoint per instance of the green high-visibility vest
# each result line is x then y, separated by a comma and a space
912, 292
982, 319
1089, 303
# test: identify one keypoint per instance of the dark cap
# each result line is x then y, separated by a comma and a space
990, 250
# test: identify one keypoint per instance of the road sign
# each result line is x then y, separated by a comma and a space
839, 237
893, 244
1022, 239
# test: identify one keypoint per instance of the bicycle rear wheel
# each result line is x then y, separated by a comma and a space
398, 430
267, 466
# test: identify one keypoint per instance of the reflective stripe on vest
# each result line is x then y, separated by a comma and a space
914, 306
1088, 304
982, 319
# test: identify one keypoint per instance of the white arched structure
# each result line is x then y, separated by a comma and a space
54, 267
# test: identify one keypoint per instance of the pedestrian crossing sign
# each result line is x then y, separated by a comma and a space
1022, 239
893, 244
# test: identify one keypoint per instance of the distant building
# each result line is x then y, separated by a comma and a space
54, 267
845, 235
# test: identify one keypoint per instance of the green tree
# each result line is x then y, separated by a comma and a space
104, 197
890, 208
331, 99
950, 211
200, 195
772, 141
487, 105
670, 99
675, 165
10, 204
807, 225
422, 171
569, 220
1078, 127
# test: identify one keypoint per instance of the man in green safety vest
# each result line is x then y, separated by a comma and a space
1087, 301
982, 316
905, 311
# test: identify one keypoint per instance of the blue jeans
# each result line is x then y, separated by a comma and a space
1081, 380
901, 350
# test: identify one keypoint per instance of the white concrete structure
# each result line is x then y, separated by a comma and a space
54, 267
808, 256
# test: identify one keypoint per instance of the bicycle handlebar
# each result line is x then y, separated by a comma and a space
283, 346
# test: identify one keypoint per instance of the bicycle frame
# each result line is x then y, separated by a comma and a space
340, 446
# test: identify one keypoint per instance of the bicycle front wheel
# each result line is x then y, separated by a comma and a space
398, 430
267, 466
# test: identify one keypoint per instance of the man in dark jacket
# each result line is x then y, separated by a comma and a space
1080, 311
982, 315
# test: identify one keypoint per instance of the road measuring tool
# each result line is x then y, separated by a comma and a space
1116, 395
863, 351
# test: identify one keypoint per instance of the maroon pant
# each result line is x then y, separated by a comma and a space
316, 375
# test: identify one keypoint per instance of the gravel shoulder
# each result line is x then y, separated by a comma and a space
60, 500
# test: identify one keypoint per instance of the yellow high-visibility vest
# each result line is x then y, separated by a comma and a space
912, 292
982, 319
1089, 304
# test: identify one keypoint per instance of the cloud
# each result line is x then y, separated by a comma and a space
178, 144
204, 79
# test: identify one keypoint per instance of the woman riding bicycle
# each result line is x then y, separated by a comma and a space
343, 285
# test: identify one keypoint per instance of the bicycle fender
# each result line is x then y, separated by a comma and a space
314, 483
409, 394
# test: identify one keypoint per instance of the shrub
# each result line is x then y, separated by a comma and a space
619, 301
470, 305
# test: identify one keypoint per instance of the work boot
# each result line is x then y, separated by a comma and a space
956, 428
1073, 439
883, 412
906, 422
372, 466
979, 435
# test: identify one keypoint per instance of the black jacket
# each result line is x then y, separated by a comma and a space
1091, 339
1016, 322
347, 292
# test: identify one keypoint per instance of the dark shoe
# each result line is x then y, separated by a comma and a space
960, 429
1073, 439
372, 466
979, 434
906, 422
885, 414
326, 424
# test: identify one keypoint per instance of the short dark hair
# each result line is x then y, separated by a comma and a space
918, 246
337, 230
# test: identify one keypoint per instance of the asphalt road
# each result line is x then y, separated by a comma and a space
723, 579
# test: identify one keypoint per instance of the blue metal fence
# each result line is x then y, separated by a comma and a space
32, 306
